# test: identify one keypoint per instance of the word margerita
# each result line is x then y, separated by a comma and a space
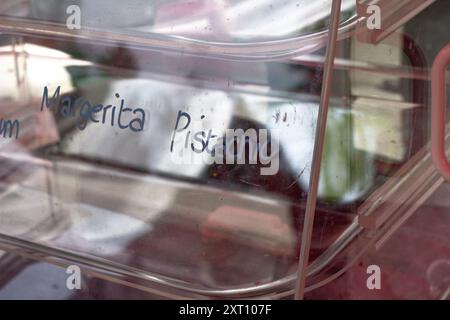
81, 107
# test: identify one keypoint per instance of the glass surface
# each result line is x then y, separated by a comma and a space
115, 151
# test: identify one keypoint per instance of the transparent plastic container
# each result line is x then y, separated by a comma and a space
142, 204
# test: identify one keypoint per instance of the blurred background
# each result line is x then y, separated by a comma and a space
140, 226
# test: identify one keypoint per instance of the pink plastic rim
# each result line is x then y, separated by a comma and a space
438, 114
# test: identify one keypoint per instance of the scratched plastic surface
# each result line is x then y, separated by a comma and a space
136, 200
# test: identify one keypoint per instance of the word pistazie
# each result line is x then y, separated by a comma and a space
81, 107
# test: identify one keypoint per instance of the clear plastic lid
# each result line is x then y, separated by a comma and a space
108, 161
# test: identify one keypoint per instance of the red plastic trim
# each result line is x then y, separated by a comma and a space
438, 114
